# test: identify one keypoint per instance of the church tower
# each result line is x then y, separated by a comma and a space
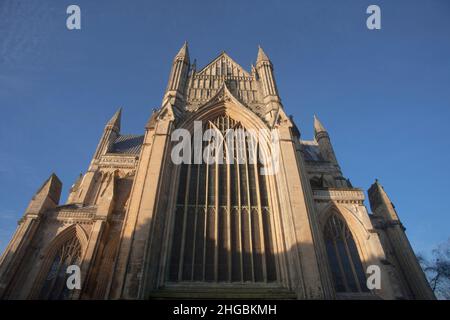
253, 210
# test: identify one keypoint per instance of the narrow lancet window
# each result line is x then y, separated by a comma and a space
54, 286
345, 263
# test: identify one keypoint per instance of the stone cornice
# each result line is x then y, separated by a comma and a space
73, 215
339, 195
118, 161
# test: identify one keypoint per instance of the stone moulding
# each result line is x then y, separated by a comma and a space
123, 162
340, 196
74, 215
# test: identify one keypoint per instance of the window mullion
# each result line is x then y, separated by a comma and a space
352, 265
239, 213
194, 238
216, 213
341, 267
229, 158
249, 205
183, 233
206, 214
261, 225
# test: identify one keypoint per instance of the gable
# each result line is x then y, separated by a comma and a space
204, 84
225, 66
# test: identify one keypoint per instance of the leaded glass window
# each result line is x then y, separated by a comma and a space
54, 286
345, 263
222, 227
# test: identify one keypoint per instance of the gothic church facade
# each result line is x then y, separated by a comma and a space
140, 226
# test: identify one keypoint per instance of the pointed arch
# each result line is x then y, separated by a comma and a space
221, 227
343, 251
67, 248
355, 224
74, 230
224, 102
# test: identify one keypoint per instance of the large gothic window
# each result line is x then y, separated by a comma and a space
54, 286
222, 230
348, 272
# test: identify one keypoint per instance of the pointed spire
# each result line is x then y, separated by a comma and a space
115, 120
51, 181
318, 127
376, 186
380, 203
54, 186
50, 190
379, 188
261, 55
184, 52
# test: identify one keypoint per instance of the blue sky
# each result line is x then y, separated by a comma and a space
384, 95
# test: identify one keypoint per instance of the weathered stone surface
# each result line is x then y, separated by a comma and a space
121, 215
